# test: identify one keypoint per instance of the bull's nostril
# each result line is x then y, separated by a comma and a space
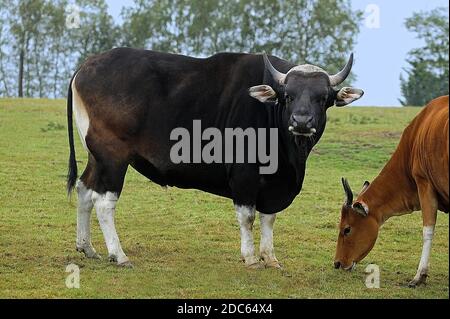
337, 264
296, 118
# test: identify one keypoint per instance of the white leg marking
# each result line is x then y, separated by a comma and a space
246, 216
105, 205
81, 116
422, 271
85, 206
266, 245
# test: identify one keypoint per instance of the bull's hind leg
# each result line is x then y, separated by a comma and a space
104, 180
84, 210
105, 205
105, 200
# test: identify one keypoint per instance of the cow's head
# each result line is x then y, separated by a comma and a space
306, 91
358, 230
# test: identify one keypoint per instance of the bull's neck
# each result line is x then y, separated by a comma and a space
294, 149
392, 192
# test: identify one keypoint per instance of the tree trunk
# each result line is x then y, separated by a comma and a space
21, 62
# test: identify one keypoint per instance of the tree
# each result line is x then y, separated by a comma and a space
427, 76
322, 32
39, 54
7, 85
25, 20
97, 32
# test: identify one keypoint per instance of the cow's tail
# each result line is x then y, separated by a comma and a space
72, 173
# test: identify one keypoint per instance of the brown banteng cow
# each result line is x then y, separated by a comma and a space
416, 177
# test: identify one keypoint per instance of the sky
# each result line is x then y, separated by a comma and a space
381, 49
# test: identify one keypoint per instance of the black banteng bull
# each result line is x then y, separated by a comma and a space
128, 102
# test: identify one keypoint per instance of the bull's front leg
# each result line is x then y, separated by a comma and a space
266, 246
246, 217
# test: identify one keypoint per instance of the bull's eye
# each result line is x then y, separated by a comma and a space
347, 231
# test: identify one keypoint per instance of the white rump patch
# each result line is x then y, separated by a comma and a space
81, 116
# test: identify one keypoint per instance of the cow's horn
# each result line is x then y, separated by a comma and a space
277, 75
348, 192
340, 77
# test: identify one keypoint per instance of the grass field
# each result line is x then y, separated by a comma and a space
185, 243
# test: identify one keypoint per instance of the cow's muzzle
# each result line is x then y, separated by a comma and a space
338, 264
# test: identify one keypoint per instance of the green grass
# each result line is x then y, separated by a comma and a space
185, 243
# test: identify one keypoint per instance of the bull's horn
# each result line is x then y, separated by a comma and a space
340, 77
277, 75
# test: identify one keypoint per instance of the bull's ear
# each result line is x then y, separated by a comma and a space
347, 95
263, 93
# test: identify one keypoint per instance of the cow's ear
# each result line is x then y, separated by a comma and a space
347, 95
361, 208
263, 93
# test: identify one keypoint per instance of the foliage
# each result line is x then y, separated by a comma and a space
321, 32
428, 74
39, 54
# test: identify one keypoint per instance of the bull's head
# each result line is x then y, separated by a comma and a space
306, 91
358, 230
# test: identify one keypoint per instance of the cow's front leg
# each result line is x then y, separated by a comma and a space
246, 217
266, 245
422, 271
105, 205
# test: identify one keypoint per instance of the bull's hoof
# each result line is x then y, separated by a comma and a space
272, 264
89, 252
257, 265
422, 280
122, 262
253, 263
126, 264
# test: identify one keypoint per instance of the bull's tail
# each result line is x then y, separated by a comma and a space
73, 170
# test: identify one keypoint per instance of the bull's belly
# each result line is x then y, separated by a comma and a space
273, 195
209, 178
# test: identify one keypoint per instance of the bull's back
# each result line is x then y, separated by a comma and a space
430, 137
